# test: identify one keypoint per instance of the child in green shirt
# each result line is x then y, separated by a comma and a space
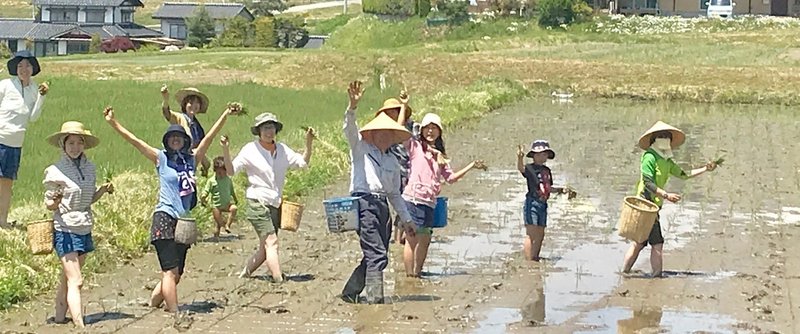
219, 190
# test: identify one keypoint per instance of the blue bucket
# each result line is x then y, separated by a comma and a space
440, 212
341, 214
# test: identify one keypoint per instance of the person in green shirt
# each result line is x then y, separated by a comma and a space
219, 190
656, 168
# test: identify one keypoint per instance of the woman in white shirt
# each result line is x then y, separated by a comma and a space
70, 192
266, 161
20, 103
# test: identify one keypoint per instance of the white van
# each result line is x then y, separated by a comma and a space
720, 8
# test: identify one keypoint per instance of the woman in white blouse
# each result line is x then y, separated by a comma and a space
70, 191
266, 161
20, 102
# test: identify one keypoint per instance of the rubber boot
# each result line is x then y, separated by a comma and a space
374, 287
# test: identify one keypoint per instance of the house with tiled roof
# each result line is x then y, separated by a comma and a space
67, 26
173, 16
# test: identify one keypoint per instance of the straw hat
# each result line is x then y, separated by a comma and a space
431, 118
541, 146
18, 57
393, 103
73, 128
678, 137
189, 91
384, 122
264, 118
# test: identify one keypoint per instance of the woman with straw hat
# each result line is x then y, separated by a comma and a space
429, 167
21, 101
266, 161
70, 192
657, 165
192, 102
375, 180
177, 195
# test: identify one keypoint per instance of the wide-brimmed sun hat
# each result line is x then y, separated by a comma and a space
539, 146
431, 118
384, 122
73, 128
18, 57
393, 103
264, 118
182, 94
678, 137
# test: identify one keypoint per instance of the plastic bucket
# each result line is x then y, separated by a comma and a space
440, 212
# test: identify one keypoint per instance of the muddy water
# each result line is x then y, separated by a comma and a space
729, 243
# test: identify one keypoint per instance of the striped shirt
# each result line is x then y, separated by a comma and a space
76, 180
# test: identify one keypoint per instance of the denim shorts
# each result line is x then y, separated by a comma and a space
65, 243
422, 215
535, 212
9, 161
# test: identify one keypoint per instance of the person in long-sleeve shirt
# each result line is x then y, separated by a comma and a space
375, 180
656, 168
21, 101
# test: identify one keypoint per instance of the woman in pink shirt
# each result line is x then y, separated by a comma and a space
429, 166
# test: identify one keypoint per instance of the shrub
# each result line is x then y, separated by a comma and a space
423, 8
389, 7
265, 32
290, 32
119, 43
554, 13
455, 10
5, 52
201, 28
238, 33
94, 44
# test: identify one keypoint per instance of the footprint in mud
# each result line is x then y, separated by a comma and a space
183, 321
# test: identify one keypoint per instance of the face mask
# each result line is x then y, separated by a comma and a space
664, 147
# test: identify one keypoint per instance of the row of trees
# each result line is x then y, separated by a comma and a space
550, 13
266, 31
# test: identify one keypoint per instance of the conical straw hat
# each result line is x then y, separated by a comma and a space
384, 122
678, 137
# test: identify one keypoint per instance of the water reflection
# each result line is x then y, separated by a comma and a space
653, 318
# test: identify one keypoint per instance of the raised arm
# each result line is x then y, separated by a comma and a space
520, 161
37, 107
226, 155
355, 91
148, 151
310, 135
165, 111
200, 151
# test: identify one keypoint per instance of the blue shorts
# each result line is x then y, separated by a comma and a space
535, 212
9, 161
65, 243
422, 215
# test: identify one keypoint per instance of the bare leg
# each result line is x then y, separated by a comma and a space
167, 290
657, 259
6, 191
217, 219
631, 256
273, 261
538, 238
421, 252
231, 217
408, 255
256, 260
156, 298
527, 244
71, 263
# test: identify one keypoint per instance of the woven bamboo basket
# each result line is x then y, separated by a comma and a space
637, 218
186, 231
40, 236
291, 214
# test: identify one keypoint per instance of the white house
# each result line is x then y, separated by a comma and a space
67, 26
173, 16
